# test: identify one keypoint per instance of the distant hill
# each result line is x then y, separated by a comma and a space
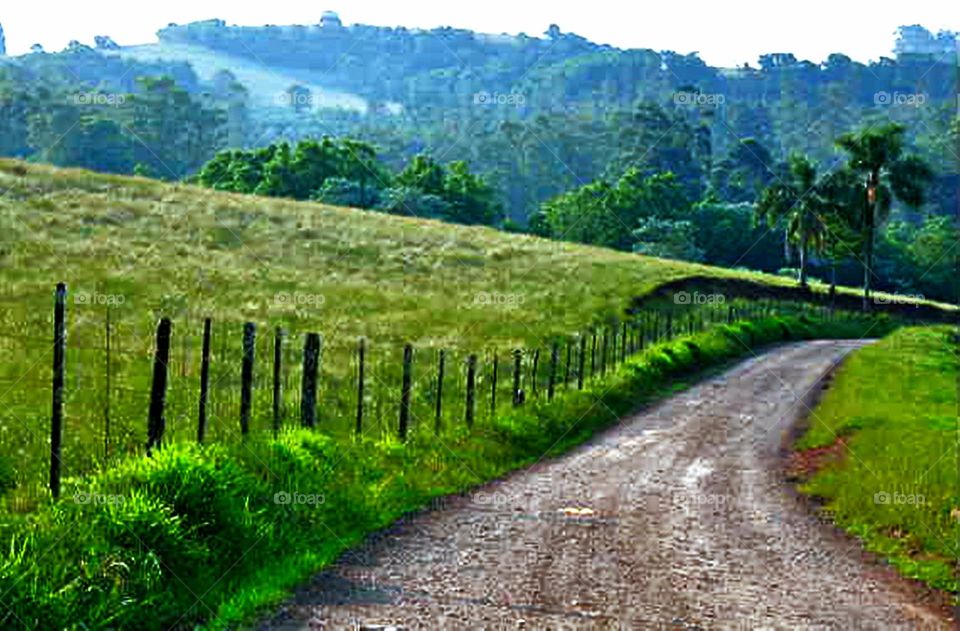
537, 115
450, 65
266, 85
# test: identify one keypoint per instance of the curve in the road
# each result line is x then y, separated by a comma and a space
676, 518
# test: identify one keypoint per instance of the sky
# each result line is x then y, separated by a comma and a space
725, 33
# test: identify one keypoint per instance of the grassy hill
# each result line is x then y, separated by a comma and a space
142, 249
196, 535
180, 248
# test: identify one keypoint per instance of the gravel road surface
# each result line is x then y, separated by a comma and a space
677, 518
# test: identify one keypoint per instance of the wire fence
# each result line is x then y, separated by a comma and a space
256, 382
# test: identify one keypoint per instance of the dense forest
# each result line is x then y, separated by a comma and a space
553, 135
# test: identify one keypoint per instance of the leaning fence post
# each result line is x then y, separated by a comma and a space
308, 394
59, 357
158, 393
471, 388
277, 373
517, 367
246, 376
361, 352
439, 410
204, 383
554, 360
405, 391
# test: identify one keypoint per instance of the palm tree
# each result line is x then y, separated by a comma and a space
877, 156
796, 200
841, 210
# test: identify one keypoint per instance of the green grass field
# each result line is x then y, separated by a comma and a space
144, 249
198, 537
896, 482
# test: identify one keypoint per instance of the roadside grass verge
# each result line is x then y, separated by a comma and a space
894, 481
212, 536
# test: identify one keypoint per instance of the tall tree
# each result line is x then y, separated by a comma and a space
796, 201
359, 164
842, 207
886, 172
744, 172
471, 199
603, 214
423, 173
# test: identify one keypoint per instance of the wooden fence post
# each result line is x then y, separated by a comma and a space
581, 362
623, 341
493, 388
277, 373
593, 354
108, 379
361, 359
308, 390
471, 389
405, 391
246, 376
615, 341
158, 394
439, 410
554, 360
204, 383
639, 341
603, 352
517, 367
59, 365
533, 372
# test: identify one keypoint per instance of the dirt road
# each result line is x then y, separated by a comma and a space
678, 518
